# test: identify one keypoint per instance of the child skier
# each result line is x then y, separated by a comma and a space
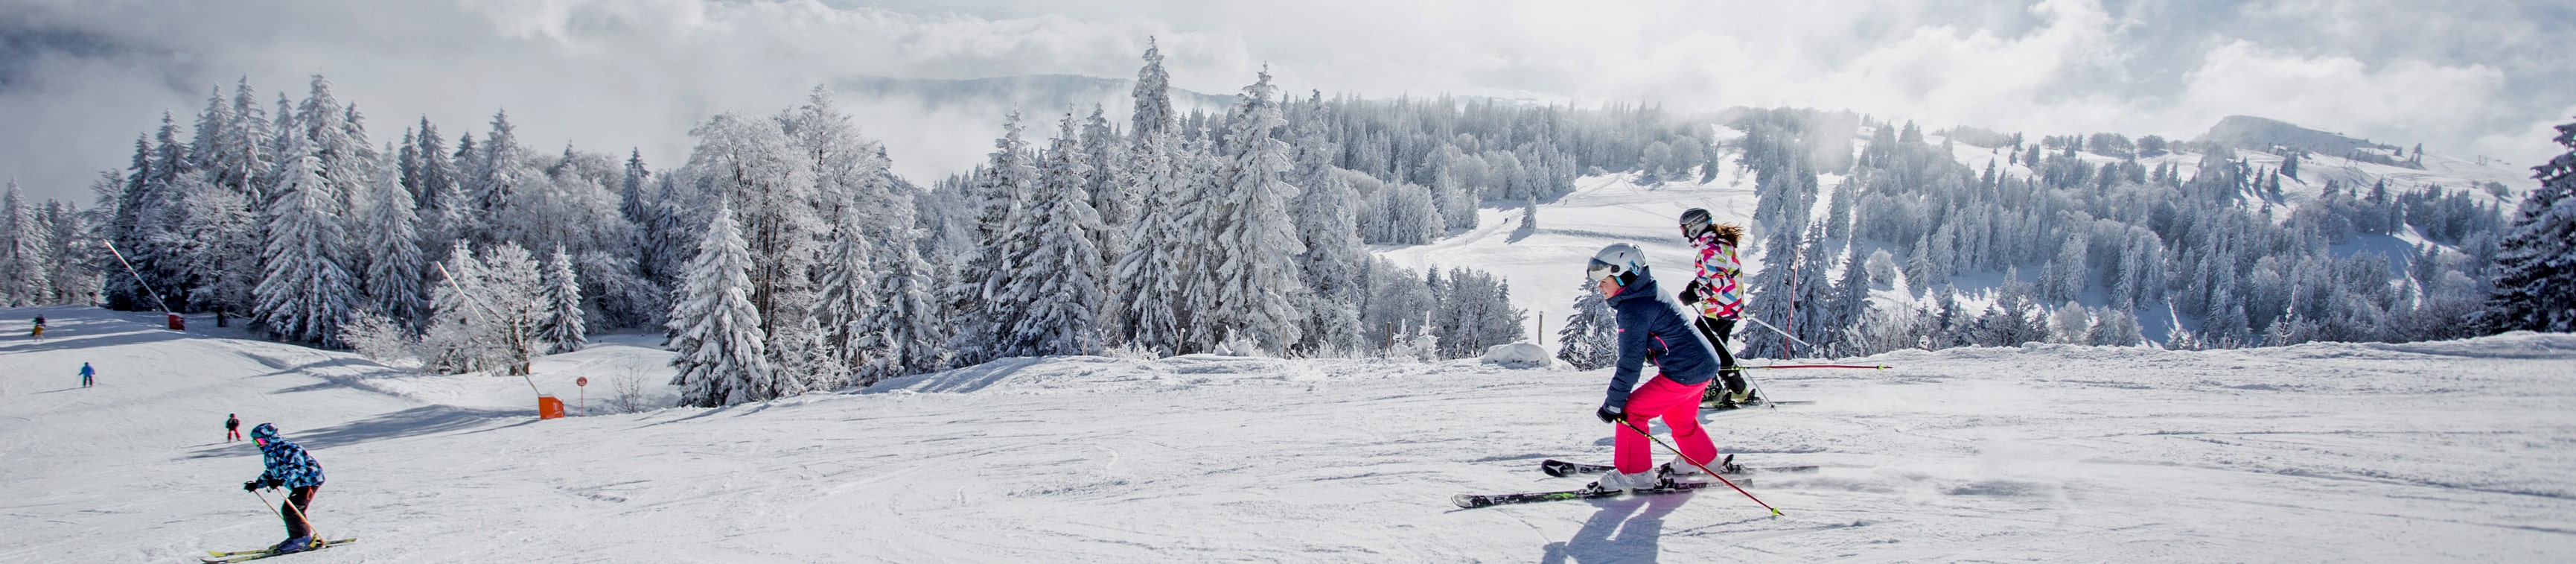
1719, 297
232, 427
86, 373
288, 466
1647, 322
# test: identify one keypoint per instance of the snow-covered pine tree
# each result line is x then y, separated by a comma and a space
75, 281
1153, 96
2535, 281
340, 144
634, 191
1153, 279
307, 290
563, 327
392, 279
846, 296
2012, 320
497, 169
719, 346
904, 335
286, 141
1062, 306
1850, 302
1327, 224
1001, 196
231, 155
1111, 191
2115, 327
1255, 244
161, 252
1151, 276
2064, 277
1816, 317
1590, 338
222, 220
24, 271
443, 206
669, 239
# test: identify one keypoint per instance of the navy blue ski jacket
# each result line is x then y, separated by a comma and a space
287, 464
1650, 321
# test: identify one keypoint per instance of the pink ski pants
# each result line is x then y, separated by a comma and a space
1678, 404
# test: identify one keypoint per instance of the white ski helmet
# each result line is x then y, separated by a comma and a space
1618, 259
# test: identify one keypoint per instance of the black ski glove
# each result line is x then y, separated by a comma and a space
251, 486
1610, 414
1690, 294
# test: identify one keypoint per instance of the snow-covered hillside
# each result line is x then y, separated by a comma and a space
2449, 451
1543, 264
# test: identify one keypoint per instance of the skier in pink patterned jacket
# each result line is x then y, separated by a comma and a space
1715, 290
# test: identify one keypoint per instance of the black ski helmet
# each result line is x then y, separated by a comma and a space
1695, 222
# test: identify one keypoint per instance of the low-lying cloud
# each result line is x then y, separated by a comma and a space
80, 79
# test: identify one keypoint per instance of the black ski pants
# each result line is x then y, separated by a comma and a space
1716, 330
298, 501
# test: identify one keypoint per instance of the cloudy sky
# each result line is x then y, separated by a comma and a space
79, 79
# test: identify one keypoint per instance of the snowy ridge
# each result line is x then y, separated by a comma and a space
2443, 451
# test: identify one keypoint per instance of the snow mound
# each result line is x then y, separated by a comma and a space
1519, 356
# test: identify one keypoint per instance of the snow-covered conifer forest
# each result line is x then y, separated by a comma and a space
1249, 229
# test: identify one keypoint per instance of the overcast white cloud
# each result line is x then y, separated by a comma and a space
80, 78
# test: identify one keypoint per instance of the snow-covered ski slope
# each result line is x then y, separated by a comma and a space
2454, 451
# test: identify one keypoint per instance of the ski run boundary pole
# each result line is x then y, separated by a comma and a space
1781, 366
1677, 453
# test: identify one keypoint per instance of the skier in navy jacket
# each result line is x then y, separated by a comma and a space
288, 466
1648, 321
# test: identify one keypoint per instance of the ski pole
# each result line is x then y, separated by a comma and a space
1677, 453
263, 502
1794, 338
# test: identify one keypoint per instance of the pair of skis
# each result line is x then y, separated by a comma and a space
1560, 468
218, 556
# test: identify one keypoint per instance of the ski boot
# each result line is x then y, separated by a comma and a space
1679, 471
294, 545
1620, 481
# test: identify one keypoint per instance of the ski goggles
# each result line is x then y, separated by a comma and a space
1598, 270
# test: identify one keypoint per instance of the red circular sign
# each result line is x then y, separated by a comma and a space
582, 381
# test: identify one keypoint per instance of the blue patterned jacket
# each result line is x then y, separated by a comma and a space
287, 464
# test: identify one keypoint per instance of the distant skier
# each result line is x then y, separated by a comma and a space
287, 466
1718, 294
232, 427
1648, 321
86, 374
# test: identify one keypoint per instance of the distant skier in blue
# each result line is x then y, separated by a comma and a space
86, 373
289, 467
